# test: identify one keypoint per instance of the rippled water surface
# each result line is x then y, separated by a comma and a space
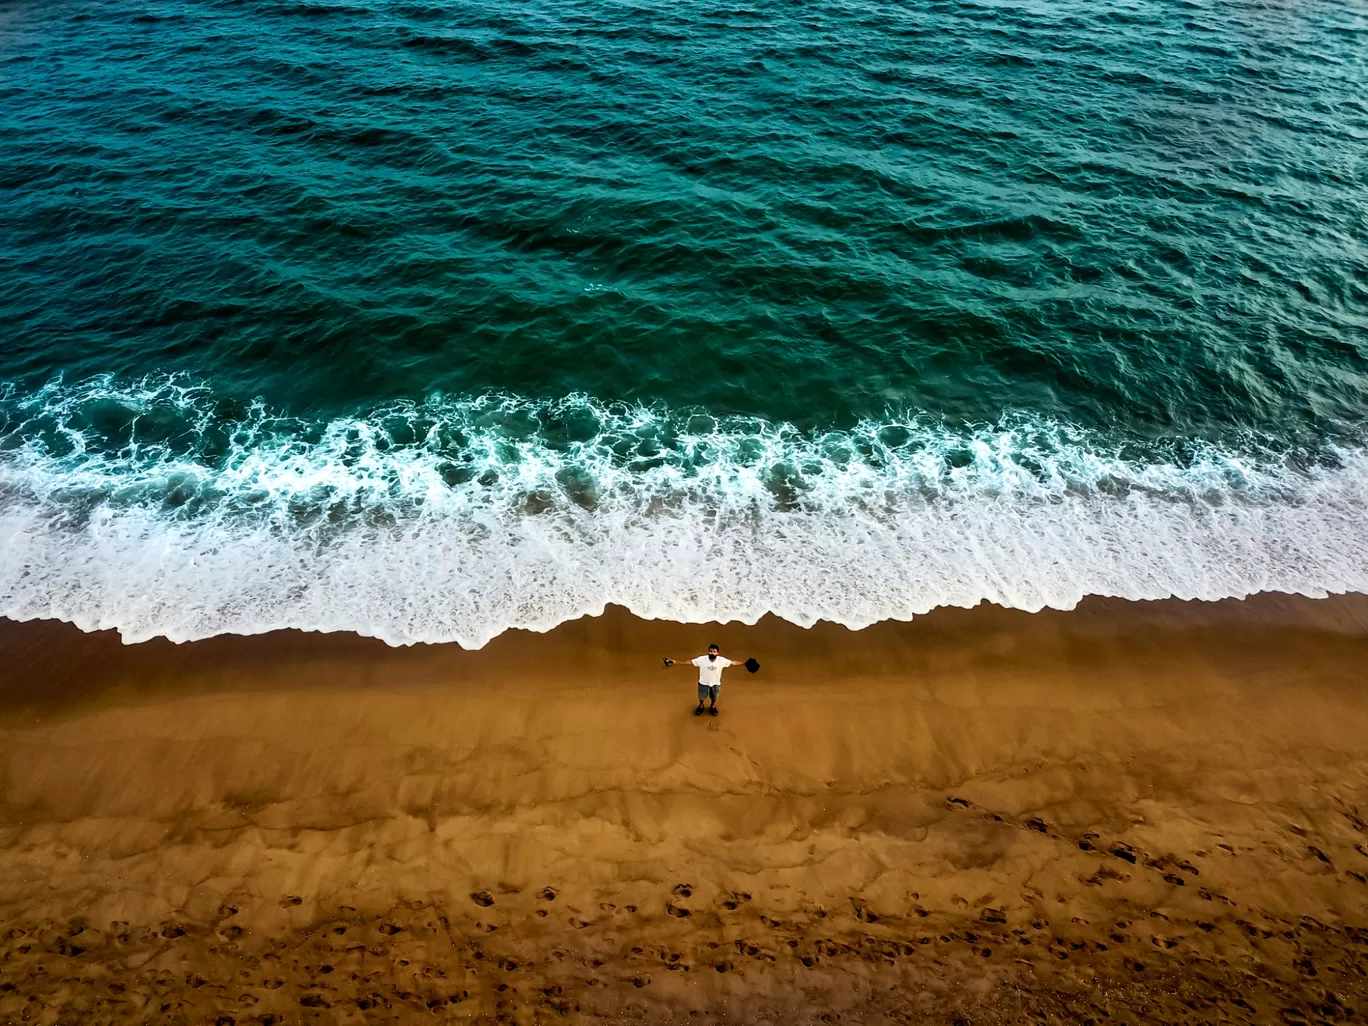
464, 316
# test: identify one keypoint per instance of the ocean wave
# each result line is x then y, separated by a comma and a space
159, 509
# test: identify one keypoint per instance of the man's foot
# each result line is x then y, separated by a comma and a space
712, 710
699, 711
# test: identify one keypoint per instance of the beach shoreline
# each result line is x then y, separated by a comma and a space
982, 814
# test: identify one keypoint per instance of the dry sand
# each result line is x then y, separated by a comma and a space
1125, 813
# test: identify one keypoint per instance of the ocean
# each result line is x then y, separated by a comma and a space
431, 320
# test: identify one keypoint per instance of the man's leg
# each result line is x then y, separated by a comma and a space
702, 694
712, 696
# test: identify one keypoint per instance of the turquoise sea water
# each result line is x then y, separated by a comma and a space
430, 320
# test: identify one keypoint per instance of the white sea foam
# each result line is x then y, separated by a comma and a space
157, 511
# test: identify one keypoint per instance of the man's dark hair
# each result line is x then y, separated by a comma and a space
711, 647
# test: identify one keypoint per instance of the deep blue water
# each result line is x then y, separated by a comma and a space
428, 320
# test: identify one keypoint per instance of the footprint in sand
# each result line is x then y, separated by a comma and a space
482, 898
547, 894
863, 914
682, 890
290, 900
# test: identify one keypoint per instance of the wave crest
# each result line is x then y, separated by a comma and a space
157, 509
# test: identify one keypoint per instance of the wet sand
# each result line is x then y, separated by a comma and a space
1124, 813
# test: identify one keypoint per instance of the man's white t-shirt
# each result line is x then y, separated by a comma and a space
710, 671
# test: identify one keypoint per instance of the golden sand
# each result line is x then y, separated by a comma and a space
1124, 813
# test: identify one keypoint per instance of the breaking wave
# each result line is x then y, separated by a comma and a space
158, 509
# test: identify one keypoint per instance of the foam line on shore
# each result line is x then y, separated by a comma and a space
159, 510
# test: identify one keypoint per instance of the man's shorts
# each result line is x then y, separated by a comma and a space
708, 691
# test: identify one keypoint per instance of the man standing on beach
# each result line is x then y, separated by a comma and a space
710, 669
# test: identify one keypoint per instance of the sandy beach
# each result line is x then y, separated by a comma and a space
1127, 812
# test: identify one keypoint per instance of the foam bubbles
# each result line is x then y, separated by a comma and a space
156, 509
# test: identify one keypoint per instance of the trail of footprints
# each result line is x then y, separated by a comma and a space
1175, 870
415, 959
456, 962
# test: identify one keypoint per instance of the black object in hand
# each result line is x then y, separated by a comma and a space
753, 665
